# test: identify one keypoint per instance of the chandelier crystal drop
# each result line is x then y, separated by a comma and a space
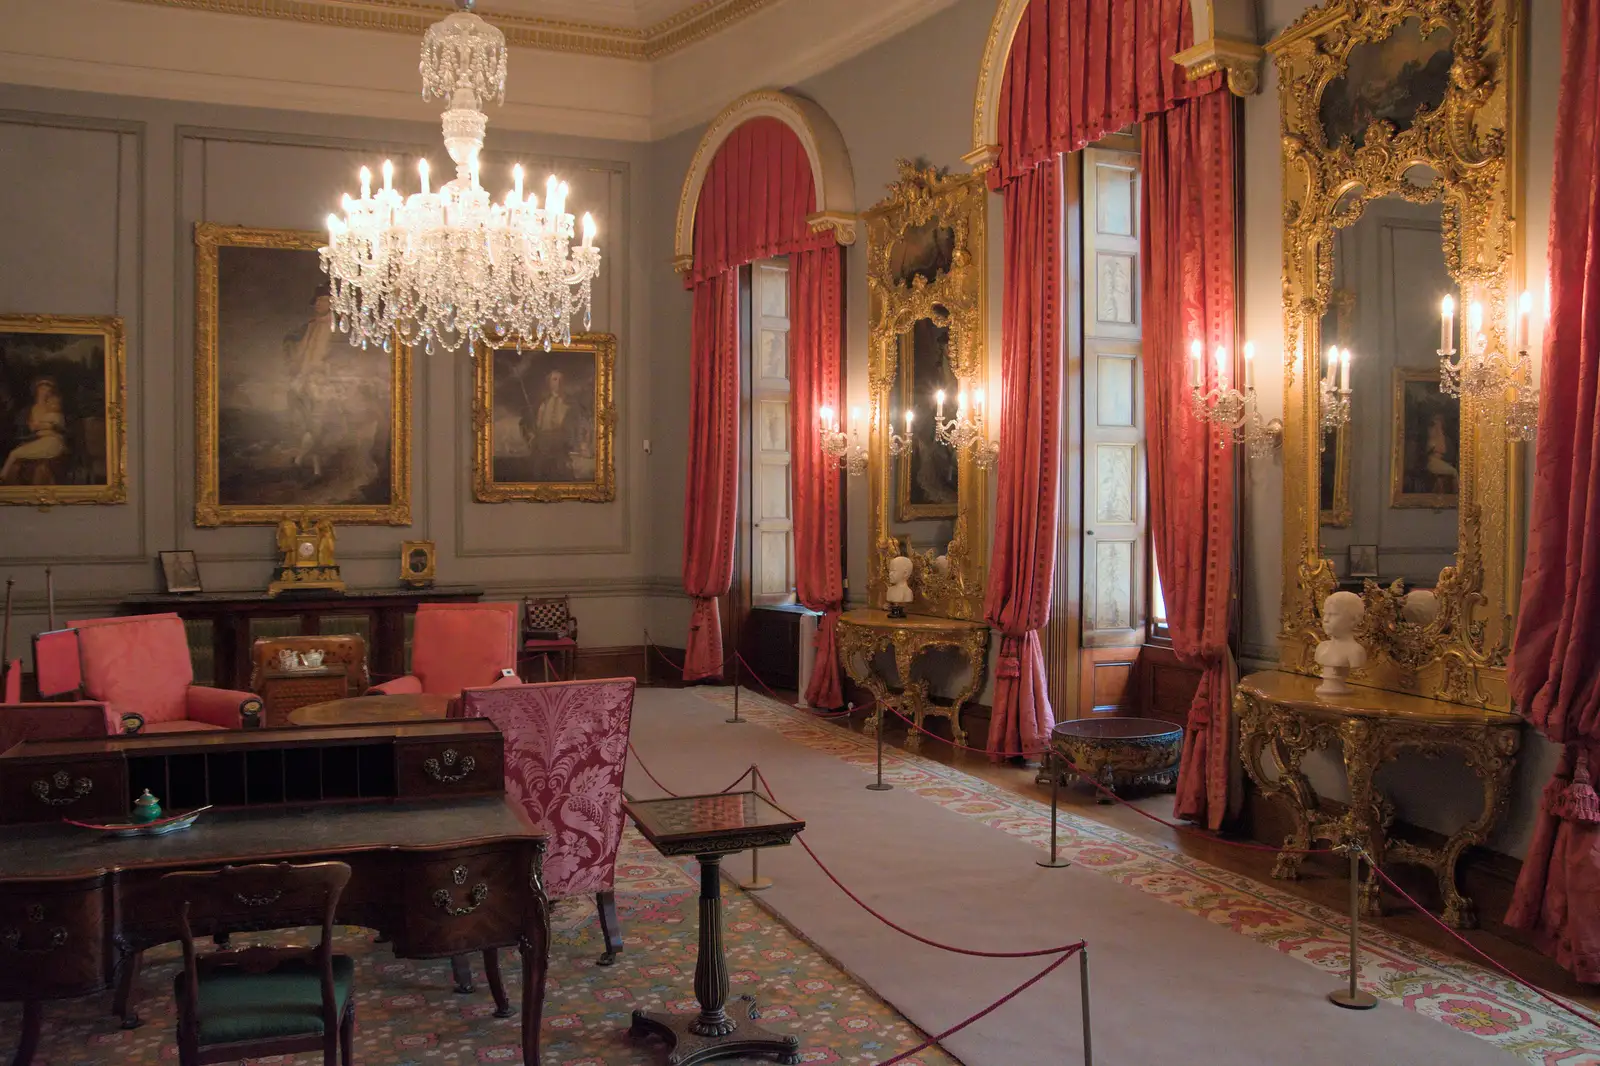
447, 268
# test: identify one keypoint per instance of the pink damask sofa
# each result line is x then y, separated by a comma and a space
566, 747
457, 646
139, 665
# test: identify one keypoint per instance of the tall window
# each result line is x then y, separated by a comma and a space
770, 516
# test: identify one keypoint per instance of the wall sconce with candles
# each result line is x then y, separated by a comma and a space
842, 448
898, 444
1335, 387
1231, 412
1482, 370
963, 433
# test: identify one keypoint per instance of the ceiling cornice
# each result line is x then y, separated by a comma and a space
413, 17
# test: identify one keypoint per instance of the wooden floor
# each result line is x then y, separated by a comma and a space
1324, 879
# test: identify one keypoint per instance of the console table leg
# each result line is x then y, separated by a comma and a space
28, 1041
497, 982
535, 948
461, 971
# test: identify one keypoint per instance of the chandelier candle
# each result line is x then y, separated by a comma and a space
451, 267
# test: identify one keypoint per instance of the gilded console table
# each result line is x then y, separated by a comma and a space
1281, 713
864, 633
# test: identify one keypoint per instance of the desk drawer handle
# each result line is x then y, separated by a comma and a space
13, 937
61, 781
446, 774
442, 898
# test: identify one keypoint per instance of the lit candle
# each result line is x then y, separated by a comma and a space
825, 414
938, 399
1333, 364
1197, 372
334, 226
388, 176
1344, 370
855, 418
1472, 340
908, 421
550, 193
961, 404
1524, 314
366, 183
1222, 366
1249, 365
588, 230
516, 182
1447, 314
422, 170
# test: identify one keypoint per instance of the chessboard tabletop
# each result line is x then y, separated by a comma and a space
720, 823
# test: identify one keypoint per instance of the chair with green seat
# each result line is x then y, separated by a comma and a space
262, 1000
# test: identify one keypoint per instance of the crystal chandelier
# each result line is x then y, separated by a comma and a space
1233, 414
452, 268
965, 434
839, 447
1487, 372
1335, 406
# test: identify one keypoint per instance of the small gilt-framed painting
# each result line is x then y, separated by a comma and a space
180, 572
62, 434
416, 563
1426, 447
545, 422
1363, 560
289, 416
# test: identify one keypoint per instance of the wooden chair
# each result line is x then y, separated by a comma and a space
262, 1000
548, 629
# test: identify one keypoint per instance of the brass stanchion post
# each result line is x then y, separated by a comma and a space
878, 785
1050, 767
1083, 983
756, 882
1353, 998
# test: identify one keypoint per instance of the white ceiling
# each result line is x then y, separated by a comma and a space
622, 14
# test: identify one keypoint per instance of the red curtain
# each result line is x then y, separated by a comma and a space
1018, 600
710, 506
757, 194
1080, 69
1188, 284
816, 317
1553, 678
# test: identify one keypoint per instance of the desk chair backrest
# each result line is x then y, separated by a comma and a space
57, 663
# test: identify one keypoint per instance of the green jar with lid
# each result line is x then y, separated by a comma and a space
146, 808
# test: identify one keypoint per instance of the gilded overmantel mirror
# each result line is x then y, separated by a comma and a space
925, 276
1398, 124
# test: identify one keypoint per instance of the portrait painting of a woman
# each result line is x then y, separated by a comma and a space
60, 433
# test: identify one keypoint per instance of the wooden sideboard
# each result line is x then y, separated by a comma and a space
236, 618
457, 870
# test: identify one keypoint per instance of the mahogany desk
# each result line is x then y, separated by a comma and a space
439, 877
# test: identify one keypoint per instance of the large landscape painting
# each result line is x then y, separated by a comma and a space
290, 417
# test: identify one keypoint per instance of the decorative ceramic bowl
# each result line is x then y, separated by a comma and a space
1119, 752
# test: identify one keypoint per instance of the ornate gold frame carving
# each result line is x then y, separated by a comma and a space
208, 509
955, 299
115, 490
1470, 143
603, 489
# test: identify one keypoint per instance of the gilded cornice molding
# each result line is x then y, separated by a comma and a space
1241, 60
413, 17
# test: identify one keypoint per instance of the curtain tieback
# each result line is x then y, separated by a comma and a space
1574, 800
1009, 664
702, 612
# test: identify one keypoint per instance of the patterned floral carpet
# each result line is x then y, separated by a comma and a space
408, 1015
1469, 997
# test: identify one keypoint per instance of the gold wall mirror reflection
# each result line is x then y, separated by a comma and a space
925, 276
1398, 136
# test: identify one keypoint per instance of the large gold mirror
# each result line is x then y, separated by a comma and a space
1398, 193
925, 275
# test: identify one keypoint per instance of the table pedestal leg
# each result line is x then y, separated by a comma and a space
713, 1034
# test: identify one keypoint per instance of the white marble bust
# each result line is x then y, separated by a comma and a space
899, 592
1420, 607
1341, 652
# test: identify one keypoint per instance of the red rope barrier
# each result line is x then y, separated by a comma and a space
657, 781
1541, 993
990, 1009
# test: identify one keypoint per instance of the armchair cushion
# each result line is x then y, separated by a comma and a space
460, 645
407, 685
138, 663
236, 1005
566, 746
222, 708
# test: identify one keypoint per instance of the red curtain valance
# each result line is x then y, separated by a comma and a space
1080, 69
754, 201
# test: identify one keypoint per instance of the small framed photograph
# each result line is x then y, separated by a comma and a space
180, 571
1363, 560
416, 563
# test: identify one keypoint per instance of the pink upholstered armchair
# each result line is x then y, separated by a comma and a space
457, 646
566, 746
139, 665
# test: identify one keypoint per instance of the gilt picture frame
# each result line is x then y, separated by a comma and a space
63, 394
289, 416
928, 481
545, 423
1425, 449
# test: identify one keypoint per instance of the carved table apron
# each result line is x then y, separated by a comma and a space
1281, 714
865, 633
439, 878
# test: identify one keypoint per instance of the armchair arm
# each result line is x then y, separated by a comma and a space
228, 708
506, 681
407, 685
